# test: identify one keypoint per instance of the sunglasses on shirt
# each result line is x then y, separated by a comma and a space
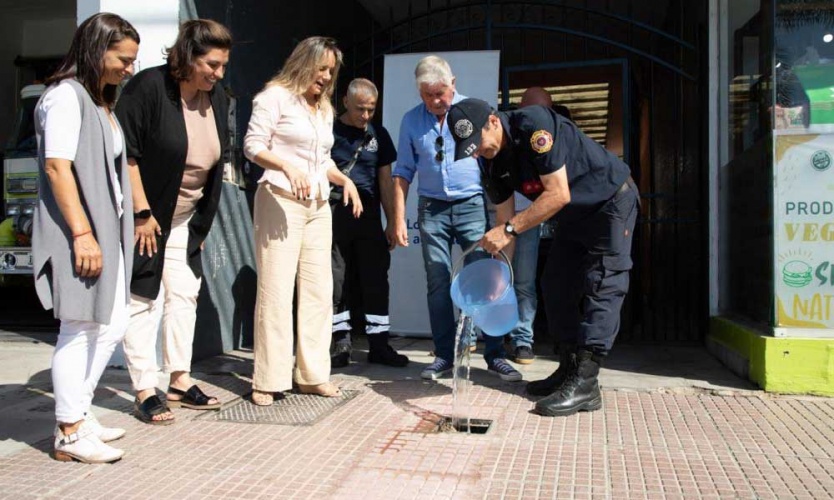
438, 146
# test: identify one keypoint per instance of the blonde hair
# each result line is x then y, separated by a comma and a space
432, 70
300, 68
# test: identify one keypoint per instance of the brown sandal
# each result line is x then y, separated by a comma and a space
262, 398
327, 390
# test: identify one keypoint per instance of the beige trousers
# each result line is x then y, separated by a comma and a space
175, 307
292, 247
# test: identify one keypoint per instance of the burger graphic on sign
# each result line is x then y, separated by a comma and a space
796, 274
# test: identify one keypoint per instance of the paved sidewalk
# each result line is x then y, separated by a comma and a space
675, 424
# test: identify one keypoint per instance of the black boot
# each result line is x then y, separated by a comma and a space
579, 392
567, 359
381, 353
340, 355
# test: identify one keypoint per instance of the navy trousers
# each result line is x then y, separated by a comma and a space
586, 277
360, 260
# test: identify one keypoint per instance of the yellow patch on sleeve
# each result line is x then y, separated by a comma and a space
541, 141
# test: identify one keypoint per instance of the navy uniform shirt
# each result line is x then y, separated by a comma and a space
540, 142
376, 151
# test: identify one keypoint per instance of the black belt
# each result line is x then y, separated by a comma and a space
452, 202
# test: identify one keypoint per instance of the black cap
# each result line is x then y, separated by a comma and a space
466, 119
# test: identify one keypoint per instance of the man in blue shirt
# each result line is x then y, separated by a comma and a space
590, 193
451, 208
361, 250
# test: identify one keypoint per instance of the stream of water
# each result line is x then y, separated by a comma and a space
460, 374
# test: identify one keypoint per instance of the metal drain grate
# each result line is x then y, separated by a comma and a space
293, 409
465, 426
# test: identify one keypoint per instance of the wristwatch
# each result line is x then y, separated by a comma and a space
142, 214
509, 229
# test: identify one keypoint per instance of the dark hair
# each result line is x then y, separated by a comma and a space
196, 38
85, 59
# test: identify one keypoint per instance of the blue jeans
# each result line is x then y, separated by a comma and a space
525, 259
443, 223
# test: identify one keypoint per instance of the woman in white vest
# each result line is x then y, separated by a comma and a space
82, 242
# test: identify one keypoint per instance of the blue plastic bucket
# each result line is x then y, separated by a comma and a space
483, 290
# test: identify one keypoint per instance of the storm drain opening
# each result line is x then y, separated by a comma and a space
464, 426
288, 409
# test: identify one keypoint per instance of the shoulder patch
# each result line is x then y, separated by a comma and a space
541, 141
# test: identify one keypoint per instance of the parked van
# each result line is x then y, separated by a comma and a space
20, 187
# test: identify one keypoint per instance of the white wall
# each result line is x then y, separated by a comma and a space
157, 22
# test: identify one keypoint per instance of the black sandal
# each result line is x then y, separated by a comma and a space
149, 408
193, 398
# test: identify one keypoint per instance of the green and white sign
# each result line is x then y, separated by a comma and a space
804, 231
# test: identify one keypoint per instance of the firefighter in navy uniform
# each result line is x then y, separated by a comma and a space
589, 193
361, 249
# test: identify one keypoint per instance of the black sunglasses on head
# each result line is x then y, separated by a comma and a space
438, 146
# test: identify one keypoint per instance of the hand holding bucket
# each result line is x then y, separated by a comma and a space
483, 290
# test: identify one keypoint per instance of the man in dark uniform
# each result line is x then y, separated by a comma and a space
589, 193
360, 253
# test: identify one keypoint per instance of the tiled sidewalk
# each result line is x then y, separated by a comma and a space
643, 444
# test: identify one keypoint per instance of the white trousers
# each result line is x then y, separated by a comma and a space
175, 307
81, 355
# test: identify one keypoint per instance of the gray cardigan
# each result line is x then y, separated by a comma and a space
58, 286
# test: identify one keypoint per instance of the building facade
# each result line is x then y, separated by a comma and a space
771, 290
722, 108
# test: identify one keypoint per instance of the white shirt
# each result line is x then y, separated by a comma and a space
59, 115
283, 124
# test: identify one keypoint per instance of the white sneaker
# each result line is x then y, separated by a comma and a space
106, 434
84, 446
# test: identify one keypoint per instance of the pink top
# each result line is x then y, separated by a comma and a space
282, 123
203, 151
